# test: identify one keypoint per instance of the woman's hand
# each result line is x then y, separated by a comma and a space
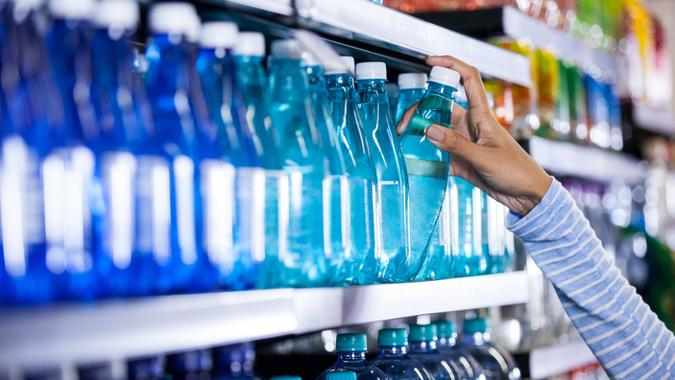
484, 153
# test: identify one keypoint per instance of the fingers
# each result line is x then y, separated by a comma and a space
450, 141
405, 120
475, 92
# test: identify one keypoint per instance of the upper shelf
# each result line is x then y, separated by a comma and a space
78, 334
508, 21
382, 27
584, 161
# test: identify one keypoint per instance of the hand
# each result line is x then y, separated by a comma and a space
483, 152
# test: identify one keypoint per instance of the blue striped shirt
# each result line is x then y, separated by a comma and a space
624, 334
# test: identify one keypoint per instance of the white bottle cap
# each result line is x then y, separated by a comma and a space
72, 10
412, 80
371, 70
347, 66
23, 6
218, 34
286, 49
308, 59
120, 14
250, 44
175, 18
444, 76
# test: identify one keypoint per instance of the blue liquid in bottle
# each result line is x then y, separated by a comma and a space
393, 358
115, 97
494, 217
411, 88
424, 349
232, 210
496, 363
358, 264
301, 261
234, 362
468, 256
351, 350
428, 167
165, 196
395, 263
68, 172
447, 345
248, 52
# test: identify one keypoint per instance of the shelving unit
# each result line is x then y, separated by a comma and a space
125, 329
555, 360
655, 121
584, 161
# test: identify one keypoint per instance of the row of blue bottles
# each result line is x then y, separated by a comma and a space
497, 364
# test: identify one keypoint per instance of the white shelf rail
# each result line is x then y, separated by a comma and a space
557, 360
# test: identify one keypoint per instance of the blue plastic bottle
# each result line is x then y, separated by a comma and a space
497, 235
165, 197
234, 362
68, 172
32, 118
149, 368
232, 211
393, 358
301, 261
424, 349
189, 365
395, 262
447, 345
411, 88
358, 264
351, 350
468, 256
428, 167
391, 89
496, 363
114, 97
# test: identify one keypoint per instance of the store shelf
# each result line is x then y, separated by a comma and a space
74, 334
556, 360
508, 21
593, 163
353, 21
653, 120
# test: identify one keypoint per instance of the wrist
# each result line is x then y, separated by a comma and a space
539, 190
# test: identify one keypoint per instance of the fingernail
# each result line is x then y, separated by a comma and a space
434, 132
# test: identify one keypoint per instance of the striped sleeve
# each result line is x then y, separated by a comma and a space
627, 338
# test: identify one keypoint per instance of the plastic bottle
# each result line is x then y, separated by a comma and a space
68, 172
229, 168
248, 53
498, 251
32, 117
411, 88
150, 368
165, 195
395, 262
468, 256
447, 345
351, 350
496, 363
424, 349
428, 167
358, 264
189, 365
301, 262
234, 362
393, 358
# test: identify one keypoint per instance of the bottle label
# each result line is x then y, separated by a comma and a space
251, 201
218, 200
153, 205
184, 177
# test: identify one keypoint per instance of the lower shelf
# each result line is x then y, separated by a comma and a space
81, 334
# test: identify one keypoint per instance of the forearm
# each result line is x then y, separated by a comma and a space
618, 326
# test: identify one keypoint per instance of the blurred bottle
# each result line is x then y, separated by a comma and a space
494, 228
302, 262
396, 264
165, 228
189, 365
358, 264
615, 125
391, 89
547, 82
68, 172
150, 368
234, 362
424, 349
393, 358
496, 363
562, 122
469, 257
447, 345
351, 350
598, 112
578, 106
411, 89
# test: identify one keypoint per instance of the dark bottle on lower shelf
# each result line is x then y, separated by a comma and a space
497, 364
190, 365
149, 368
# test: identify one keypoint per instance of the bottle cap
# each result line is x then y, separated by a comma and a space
347, 66
351, 342
446, 329
474, 325
250, 44
72, 10
371, 70
286, 49
175, 18
392, 337
341, 375
286, 377
412, 80
23, 6
119, 14
444, 76
218, 34
423, 333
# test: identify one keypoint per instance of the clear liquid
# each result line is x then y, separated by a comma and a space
398, 365
469, 258
407, 98
440, 367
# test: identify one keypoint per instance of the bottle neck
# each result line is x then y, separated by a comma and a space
374, 85
424, 346
447, 341
478, 338
343, 80
250, 71
372, 91
393, 351
441, 90
168, 58
288, 80
355, 356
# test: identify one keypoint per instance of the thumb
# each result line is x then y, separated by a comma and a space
450, 141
